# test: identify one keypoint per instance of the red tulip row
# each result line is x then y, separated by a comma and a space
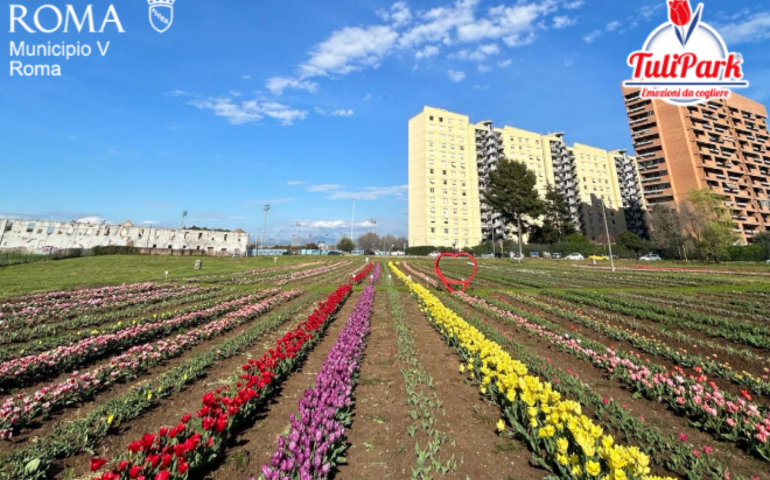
198, 438
18, 411
359, 277
21, 370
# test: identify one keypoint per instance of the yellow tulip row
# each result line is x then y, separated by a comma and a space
568, 441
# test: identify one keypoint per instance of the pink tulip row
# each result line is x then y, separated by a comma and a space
256, 271
38, 299
733, 417
431, 281
84, 306
293, 277
643, 268
19, 410
70, 356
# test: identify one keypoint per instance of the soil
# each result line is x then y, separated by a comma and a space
656, 414
170, 409
255, 445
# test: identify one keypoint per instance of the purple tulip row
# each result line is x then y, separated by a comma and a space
23, 369
19, 410
308, 451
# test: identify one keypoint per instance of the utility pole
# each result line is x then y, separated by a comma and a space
607, 234
184, 214
266, 208
373, 223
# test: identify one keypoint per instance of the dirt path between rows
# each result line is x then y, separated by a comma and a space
655, 414
254, 446
170, 409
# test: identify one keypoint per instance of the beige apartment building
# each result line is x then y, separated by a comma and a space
721, 145
450, 159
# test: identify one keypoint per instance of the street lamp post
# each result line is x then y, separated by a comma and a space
184, 214
607, 234
266, 208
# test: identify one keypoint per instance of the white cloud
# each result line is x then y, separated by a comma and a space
371, 193
341, 112
149, 222
456, 76
650, 10
398, 15
504, 63
295, 182
248, 111
278, 84
612, 26
245, 77
481, 87
367, 97
438, 24
749, 30
573, 4
563, 21
324, 187
327, 224
481, 68
569, 63
589, 38
427, 51
349, 49
514, 25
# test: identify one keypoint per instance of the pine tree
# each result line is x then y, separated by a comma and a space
513, 195
557, 219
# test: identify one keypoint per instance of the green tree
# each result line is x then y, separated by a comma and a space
346, 245
630, 241
577, 239
763, 240
712, 226
513, 195
557, 218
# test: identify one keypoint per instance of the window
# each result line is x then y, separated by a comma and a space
30, 227
446, 231
432, 190
431, 118
432, 209
431, 171
432, 230
440, 119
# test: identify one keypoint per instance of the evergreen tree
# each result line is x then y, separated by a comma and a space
557, 220
346, 245
513, 195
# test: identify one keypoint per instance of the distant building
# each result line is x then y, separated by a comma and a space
450, 160
42, 236
721, 145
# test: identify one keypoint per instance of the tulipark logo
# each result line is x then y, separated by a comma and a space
685, 61
161, 14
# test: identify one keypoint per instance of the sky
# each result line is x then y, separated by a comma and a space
304, 105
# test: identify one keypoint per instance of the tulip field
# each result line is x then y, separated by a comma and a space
353, 368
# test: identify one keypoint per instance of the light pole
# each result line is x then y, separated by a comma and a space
266, 208
374, 224
607, 234
184, 214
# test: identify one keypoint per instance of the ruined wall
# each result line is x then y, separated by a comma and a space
41, 236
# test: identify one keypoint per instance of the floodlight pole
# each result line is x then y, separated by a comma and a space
266, 208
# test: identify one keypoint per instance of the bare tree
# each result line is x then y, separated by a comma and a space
368, 241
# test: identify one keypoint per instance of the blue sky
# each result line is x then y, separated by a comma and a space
304, 105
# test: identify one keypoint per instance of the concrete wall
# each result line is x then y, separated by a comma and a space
40, 236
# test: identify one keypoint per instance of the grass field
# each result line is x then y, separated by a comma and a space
117, 269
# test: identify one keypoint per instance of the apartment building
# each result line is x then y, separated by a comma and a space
443, 180
721, 145
450, 160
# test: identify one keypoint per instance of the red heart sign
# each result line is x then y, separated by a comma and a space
449, 282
